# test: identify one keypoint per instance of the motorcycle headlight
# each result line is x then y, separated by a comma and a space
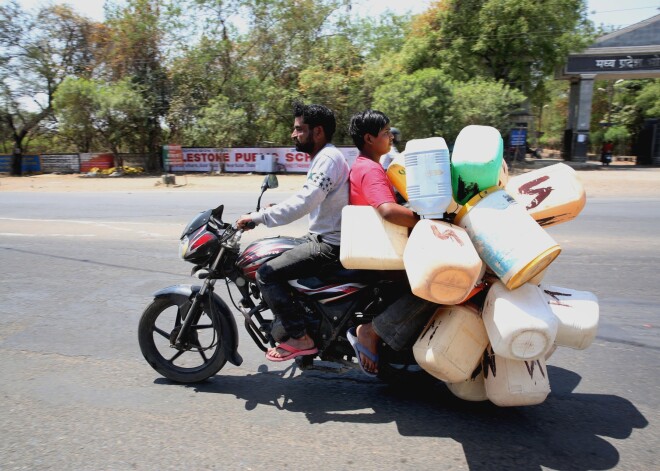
183, 247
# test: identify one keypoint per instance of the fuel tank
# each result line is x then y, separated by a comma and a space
262, 250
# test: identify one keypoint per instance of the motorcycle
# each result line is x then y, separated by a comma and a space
188, 333
606, 158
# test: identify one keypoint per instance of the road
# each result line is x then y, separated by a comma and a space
79, 268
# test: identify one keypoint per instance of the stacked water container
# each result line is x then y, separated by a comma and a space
494, 349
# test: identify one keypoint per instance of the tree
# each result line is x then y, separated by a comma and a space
133, 51
37, 52
90, 110
519, 42
484, 102
419, 103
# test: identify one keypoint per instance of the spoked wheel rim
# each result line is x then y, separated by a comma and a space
197, 351
201, 356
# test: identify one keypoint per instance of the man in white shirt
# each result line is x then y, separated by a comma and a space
322, 197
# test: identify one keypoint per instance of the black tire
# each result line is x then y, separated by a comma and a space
400, 368
159, 324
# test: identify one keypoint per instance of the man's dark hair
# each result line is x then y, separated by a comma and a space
316, 115
368, 121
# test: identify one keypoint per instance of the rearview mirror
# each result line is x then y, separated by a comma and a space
270, 182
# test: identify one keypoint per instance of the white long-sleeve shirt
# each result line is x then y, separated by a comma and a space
323, 196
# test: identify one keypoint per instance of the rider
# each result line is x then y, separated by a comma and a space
387, 158
406, 317
322, 197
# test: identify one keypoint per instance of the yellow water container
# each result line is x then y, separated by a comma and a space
396, 173
452, 344
519, 323
504, 175
369, 242
441, 263
511, 383
577, 313
551, 195
506, 237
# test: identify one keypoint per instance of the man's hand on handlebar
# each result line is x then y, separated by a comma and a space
245, 222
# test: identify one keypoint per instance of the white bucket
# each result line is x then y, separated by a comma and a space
452, 344
369, 242
428, 176
550, 194
472, 389
515, 382
577, 313
506, 237
441, 263
519, 323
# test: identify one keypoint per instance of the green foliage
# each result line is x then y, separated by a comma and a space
484, 102
520, 42
225, 72
420, 104
648, 99
90, 111
37, 52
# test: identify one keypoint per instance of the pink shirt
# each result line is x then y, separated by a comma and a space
369, 184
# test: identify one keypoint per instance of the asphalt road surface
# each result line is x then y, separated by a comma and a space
79, 268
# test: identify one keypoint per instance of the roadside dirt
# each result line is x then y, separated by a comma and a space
621, 180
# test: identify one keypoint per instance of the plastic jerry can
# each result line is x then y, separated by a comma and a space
551, 195
369, 242
506, 237
428, 176
577, 313
441, 263
396, 174
515, 382
519, 323
472, 389
452, 344
476, 161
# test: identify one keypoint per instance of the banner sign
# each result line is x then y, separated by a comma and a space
612, 63
29, 164
518, 137
63, 163
244, 159
172, 156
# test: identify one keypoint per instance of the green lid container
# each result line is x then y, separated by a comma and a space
476, 161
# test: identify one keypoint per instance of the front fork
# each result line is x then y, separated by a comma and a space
193, 315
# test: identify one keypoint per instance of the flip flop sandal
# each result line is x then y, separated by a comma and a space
293, 352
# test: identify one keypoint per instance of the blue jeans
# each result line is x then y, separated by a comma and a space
305, 260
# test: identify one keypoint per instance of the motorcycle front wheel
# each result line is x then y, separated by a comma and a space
200, 358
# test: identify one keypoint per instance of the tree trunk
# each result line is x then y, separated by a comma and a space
17, 160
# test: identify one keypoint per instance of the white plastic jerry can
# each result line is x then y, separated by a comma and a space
577, 313
369, 242
551, 194
519, 323
514, 382
452, 344
428, 176
441, 263
472, 389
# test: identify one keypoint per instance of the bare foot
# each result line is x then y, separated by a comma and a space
368, 337
303, 343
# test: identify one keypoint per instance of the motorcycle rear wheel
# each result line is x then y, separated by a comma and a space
204, 355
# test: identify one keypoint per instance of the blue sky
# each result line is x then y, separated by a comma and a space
610, 12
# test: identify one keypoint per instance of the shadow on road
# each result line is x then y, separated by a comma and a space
563, 433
